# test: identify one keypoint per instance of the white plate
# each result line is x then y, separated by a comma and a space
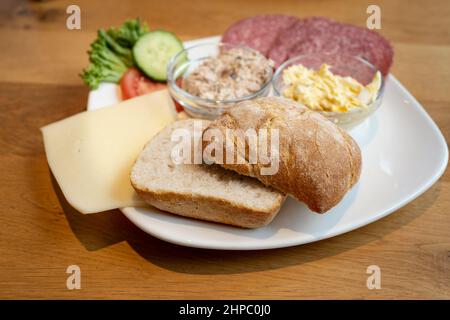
404, 153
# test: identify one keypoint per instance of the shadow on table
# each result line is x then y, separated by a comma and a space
100, 230
94, 231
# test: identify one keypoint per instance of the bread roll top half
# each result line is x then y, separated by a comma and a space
317, 162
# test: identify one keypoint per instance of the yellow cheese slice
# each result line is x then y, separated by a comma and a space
91, 153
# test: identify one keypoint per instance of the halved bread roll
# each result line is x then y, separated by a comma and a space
201, 191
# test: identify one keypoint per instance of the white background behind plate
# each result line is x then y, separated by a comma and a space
404, 153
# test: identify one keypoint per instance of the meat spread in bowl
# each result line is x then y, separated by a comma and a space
232, 74
216, 76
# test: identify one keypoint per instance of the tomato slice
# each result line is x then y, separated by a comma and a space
134, 83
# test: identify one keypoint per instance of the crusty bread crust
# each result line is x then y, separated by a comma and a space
319, 162
210, 208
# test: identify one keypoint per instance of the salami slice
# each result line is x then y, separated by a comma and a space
258, 32
322, 35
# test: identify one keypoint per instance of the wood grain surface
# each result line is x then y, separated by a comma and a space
40, 234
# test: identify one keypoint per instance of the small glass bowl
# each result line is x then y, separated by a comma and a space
179, 68
352, 66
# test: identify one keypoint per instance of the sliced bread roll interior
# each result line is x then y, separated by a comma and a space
201, 191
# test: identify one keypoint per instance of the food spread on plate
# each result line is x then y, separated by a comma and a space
322, 90
232, 74
123, 155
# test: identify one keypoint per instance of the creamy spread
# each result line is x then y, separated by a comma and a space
321, 90
232, 74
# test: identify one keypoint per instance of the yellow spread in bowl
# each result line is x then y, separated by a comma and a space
321, 90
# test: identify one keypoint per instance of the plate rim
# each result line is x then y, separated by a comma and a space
129, 212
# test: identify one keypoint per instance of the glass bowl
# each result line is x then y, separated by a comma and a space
184, 62
352, 66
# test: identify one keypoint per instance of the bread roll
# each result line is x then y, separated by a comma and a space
318, 161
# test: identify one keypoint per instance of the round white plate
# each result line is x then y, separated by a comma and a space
404, 153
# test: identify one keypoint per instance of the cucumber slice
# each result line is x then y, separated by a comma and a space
153, 51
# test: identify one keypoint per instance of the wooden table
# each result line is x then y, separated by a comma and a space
40, 235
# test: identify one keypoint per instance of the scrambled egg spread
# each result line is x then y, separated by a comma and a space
321, 90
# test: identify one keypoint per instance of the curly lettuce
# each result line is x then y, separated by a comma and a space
110, 55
